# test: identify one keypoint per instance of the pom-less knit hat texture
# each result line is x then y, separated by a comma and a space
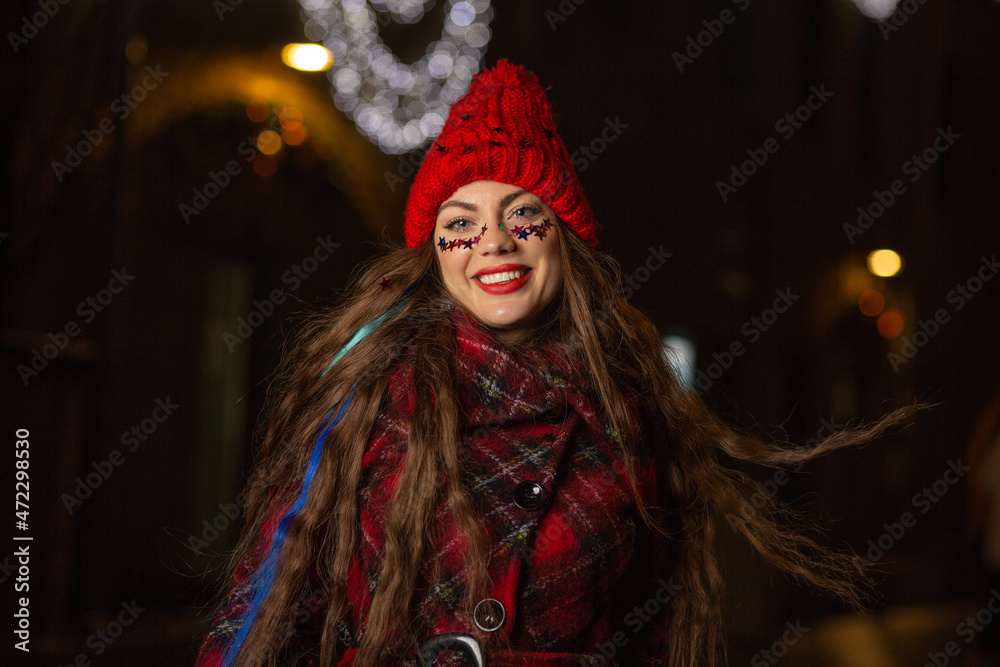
501, 130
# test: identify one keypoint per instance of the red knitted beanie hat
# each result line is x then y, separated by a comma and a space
501, 130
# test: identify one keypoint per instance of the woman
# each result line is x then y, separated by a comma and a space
509, 473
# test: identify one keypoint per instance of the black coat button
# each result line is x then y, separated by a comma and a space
529, 495
489, 614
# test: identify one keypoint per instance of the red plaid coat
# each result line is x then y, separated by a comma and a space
581, 579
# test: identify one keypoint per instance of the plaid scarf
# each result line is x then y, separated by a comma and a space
566, 571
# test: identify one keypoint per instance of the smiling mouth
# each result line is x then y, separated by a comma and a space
501, 277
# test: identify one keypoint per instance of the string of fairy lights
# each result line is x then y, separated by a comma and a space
399, 106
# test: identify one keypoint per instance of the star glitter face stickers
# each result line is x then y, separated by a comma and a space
539, 229
465, 244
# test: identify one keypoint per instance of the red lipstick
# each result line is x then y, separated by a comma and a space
496, 268
507, 287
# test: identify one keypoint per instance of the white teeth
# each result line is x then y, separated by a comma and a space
501, 277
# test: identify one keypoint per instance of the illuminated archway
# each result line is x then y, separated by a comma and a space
360, 169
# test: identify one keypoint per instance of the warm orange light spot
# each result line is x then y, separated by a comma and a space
890, 323
268, 142
258, 110
135, 50
855, 280
871, 302
294, 137
265, 165
290, 118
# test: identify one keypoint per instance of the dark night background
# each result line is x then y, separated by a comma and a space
822, 362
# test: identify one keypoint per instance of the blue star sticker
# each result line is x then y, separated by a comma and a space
441, 243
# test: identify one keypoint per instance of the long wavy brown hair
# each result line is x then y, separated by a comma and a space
622, 348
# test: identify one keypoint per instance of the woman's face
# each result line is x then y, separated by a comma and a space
505, 277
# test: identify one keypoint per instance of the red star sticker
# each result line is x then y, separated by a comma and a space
384, 283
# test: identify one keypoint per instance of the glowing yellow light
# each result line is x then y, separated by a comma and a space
268, 142
258, 110
891, 323
884, 263
871, 302
307, 57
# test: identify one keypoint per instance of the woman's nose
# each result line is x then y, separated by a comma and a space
496, 237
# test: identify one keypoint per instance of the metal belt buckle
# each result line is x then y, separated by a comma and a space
457, 641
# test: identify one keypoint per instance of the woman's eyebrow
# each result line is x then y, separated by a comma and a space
458, 204
507, 199
503, 203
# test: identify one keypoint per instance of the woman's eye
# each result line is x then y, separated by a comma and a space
459, 224
524, 211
